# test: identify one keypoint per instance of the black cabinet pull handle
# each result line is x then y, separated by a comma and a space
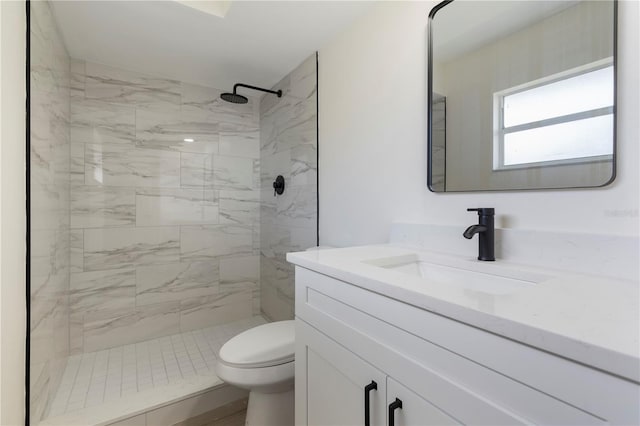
392, 407
371, 386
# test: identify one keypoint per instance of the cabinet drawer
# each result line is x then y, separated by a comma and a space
455, 359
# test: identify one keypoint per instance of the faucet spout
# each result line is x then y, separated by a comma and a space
485, 230
473, 230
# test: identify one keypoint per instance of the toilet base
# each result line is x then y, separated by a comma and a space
270, 409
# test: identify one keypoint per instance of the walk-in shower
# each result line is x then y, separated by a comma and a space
155, 235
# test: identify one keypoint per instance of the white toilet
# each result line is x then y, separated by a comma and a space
261, 360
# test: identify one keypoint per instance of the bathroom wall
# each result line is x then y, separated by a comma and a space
49, 208
164, 232
288, 147
372, 118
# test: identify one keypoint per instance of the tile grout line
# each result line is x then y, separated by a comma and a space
135, 358
176, 357
211, 367
153, 385
188, 354
75, 375
215, 349
106, 379
164, 361
121, 374
93, 365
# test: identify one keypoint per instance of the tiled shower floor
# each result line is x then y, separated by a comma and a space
94, 378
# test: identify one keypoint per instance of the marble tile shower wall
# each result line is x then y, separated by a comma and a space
49, 160
165, 233
288, 146
439, 143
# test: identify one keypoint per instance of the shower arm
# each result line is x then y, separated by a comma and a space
235, 86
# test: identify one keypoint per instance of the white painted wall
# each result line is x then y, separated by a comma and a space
373, 149
12, 211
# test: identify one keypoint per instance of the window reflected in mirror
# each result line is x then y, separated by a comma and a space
557, 120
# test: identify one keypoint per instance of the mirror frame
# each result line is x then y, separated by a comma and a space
431, 17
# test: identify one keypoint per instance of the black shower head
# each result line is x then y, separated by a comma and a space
234, 98
239, 99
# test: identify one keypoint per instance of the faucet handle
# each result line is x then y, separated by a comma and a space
483, 211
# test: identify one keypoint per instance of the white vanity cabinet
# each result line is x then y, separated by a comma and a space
443, 371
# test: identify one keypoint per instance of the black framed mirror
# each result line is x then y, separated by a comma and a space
521, 95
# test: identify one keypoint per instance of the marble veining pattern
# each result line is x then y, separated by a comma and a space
288, 147
50, 231
124, 247
102, 290
304, 164
94, 207
156, 207
162, 283
239, 140
241, 207
99, 122
115, 85
77, 79
154, 217
76, 166
118, 165
271, 164
110, 328
193, 169
168, 131
214, 241
438, 143
240, 269
231, 173
76, 247
229, 304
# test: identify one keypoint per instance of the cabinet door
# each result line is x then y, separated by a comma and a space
335, 382
415, 410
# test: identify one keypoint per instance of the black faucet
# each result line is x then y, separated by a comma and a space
485, 231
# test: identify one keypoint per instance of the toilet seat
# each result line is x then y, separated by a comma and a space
277, 378
267, 345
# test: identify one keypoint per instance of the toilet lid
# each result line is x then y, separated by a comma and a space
262, 346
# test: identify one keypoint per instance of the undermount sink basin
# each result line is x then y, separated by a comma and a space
486, 277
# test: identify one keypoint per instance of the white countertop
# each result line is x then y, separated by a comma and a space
594, 320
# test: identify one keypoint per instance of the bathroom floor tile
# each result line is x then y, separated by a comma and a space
93, 378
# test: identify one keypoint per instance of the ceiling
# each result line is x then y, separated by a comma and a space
256, 42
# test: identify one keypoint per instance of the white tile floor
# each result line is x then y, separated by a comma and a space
93, 378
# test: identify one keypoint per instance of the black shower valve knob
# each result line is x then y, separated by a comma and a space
278, 186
